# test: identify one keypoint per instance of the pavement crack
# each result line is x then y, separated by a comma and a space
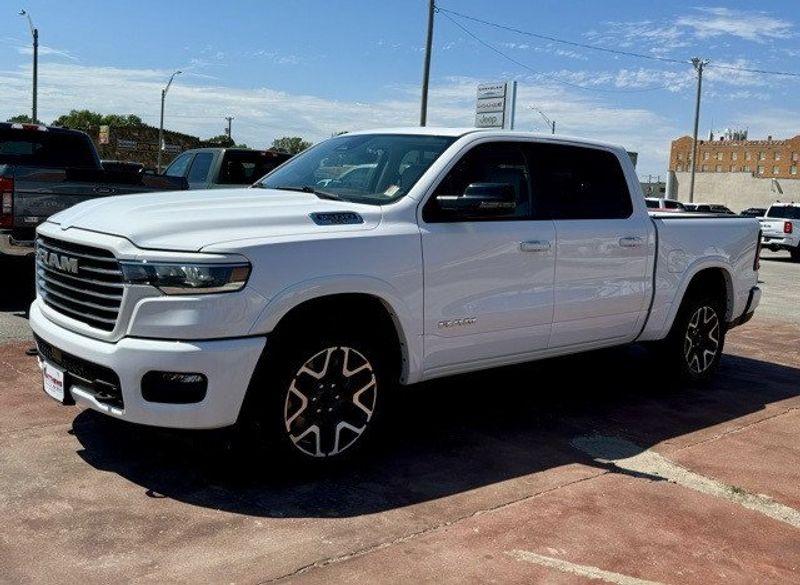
12, 367
427, 530
737, 429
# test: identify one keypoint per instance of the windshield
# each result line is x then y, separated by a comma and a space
370, 168
784, 211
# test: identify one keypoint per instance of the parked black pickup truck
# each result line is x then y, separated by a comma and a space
45, 170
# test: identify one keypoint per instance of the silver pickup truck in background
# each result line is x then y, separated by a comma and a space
46, 170
224, 168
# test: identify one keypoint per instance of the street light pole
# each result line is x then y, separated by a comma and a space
550, 123
698, 64
161, 124
35, 35
426, 72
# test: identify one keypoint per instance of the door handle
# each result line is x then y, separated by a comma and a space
630, 241
535, 246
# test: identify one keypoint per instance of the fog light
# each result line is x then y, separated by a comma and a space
174, 387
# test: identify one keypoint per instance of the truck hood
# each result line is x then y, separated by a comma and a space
192, 220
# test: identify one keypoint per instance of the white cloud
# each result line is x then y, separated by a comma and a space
748, 25
197, 106
45, 51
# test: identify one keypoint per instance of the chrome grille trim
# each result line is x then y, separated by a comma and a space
93, 295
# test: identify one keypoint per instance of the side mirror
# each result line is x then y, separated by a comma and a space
483, 198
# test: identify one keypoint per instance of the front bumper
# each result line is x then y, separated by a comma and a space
228, 365
753, 299
11, 247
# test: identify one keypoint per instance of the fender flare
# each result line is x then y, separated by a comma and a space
409, 330
716, 262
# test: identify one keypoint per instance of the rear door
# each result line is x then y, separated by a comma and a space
601, 277
488, 279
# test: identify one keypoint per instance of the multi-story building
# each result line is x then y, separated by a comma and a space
761, 158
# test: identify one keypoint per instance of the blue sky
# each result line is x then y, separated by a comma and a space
313, 67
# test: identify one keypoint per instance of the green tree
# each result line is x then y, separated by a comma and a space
21, 119
290, 144
223, 141
87, 119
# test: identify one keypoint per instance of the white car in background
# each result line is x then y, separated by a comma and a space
664, 204
780, 228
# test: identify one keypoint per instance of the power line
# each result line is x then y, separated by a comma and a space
543, 74
563, 41
447, 12
749, 70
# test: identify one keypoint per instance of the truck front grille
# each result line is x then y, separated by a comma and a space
82, 282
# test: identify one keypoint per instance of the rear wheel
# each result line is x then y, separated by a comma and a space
316, 400
795, 253
695, 343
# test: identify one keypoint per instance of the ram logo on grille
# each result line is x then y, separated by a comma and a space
62, 263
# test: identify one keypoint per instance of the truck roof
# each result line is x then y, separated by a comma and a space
39, 127
494, 132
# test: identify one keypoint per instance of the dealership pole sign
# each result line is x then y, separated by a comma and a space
494, 106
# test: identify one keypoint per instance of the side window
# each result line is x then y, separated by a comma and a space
200, 167
178, 167
576, 182
495, 163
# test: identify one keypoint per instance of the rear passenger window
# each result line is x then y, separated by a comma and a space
574, 182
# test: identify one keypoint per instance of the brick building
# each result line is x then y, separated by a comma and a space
140, 144
762, 158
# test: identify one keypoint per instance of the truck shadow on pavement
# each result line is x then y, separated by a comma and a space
446, 437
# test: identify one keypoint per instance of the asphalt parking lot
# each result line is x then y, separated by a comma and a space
576, 470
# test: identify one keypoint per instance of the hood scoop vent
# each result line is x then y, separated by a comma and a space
337, 218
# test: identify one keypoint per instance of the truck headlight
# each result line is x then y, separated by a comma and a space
177, 278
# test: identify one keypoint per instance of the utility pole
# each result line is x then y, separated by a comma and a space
698, 64
35, 35
228, 131
426, 72
161, 124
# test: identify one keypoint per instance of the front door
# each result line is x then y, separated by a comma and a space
488, 278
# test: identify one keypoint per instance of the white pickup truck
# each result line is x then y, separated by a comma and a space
291, 309
780, 228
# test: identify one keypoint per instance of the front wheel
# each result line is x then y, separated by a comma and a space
317, 401
694, 346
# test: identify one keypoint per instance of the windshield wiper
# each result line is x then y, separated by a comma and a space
306, 189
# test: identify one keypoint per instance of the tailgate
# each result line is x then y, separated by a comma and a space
772, 227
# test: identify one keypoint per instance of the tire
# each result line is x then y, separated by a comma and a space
693, 348
316, 400
795, 253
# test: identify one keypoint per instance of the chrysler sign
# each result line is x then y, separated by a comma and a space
491, 105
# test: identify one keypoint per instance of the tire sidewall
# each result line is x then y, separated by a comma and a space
678, 334
263, 413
